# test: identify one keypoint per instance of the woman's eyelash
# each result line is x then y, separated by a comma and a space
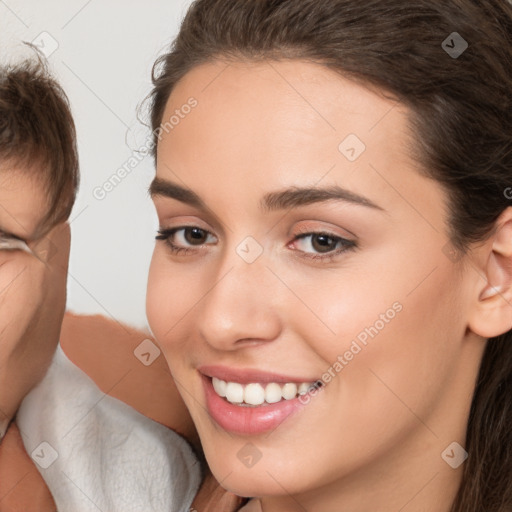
165, 235
344, 244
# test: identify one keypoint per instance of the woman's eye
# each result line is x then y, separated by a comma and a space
185, 238
318, 244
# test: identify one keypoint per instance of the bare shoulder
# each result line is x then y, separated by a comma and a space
85, 333
126, 363
106, 350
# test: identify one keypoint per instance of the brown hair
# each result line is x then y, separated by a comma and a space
37, 134
461, 118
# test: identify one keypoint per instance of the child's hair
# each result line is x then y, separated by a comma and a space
37, 134
461, 118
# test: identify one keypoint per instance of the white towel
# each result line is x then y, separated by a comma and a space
96, 453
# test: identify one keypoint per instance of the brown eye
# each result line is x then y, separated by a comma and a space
195, 236
185, 238
324, 243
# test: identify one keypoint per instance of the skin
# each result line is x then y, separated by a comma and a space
32, 289
372, 438
32, 301
21, 485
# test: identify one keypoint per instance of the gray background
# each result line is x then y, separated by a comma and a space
102, 52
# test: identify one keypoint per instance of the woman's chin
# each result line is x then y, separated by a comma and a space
249, 483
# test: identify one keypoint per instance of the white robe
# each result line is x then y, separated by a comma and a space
97, 454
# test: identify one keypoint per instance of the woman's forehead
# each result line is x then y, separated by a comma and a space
258, 127
312, 90
285, 112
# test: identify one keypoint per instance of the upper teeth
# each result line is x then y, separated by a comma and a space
257, 394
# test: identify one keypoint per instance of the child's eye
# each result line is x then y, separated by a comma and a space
10, 243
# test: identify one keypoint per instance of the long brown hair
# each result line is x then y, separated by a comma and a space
461, 104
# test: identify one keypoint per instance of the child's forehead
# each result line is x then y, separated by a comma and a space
23, 202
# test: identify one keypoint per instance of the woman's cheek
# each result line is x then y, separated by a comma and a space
171, 294
158, 297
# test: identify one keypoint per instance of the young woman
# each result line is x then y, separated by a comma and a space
332, 280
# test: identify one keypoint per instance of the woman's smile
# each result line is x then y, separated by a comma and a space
249, 401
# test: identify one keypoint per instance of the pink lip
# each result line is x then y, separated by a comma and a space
246, 376
247, 420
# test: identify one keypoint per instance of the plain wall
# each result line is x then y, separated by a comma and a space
102, 52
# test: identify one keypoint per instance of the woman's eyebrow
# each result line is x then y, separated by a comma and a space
164, 188
302, 196
280, 200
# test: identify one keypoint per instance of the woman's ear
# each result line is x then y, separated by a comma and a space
492, 314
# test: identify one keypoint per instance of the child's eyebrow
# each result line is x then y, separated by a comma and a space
4, 233
287, 198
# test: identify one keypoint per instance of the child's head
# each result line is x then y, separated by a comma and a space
37, 137
38, 182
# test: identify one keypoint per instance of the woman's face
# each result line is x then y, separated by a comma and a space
300, 243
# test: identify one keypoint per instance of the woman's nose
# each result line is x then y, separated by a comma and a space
241, 307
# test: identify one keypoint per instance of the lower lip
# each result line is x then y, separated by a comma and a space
247, 420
